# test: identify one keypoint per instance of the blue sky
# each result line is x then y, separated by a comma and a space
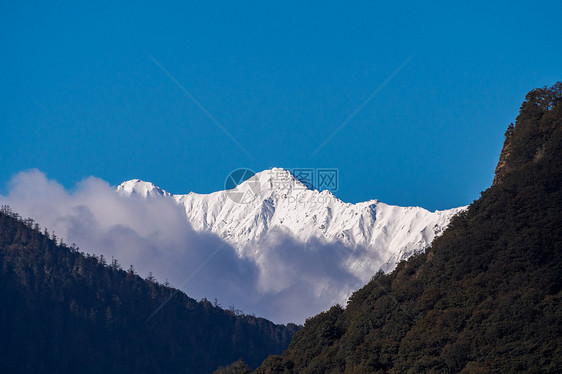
80, 94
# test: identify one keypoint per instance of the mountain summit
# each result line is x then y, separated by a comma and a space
141, 188
277, 202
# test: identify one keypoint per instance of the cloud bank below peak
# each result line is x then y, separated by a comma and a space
285, 281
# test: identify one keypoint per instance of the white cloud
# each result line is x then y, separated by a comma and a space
286, 281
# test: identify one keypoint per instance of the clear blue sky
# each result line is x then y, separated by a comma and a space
80, 96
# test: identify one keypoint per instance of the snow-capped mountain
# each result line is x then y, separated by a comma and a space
380, 235
293, 251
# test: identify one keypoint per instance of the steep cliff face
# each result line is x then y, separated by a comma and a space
525, 141
503, 168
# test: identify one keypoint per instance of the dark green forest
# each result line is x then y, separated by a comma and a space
67, 312
486, 297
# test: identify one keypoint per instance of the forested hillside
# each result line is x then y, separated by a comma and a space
486, 297
66, 312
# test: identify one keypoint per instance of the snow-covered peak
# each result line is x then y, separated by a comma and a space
274, 201
141, 188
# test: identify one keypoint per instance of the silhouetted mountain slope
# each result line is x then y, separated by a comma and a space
486, 297
63, 311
